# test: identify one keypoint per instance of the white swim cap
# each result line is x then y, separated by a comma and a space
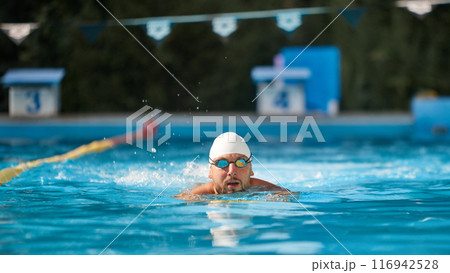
229, 143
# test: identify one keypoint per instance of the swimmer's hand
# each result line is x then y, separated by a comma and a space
283, 193
283, 196
189, 197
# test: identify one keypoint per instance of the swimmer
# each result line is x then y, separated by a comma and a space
230, 168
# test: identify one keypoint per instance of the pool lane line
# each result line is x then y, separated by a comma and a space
142, 211
148, 51
97, 146
94, 147
303, 206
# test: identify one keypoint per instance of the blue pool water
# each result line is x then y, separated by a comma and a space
390, 197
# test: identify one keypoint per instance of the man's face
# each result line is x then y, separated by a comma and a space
231, 178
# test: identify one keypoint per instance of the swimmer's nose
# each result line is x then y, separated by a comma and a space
232, 170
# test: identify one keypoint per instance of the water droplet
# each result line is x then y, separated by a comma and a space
198, 108
154, 151
178, 95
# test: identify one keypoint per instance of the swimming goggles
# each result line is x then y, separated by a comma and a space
240, 163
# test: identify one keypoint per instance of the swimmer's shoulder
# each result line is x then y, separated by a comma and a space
260, 182
270, 186
207, 188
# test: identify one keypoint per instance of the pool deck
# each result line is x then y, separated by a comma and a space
392, 125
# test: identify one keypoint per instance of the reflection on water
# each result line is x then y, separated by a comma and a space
376, 198
231, 228
237, 230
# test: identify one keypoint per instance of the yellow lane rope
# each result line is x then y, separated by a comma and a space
94, 147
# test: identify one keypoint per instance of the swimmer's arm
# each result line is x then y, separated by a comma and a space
271, 186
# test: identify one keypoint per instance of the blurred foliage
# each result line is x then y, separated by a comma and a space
385, 60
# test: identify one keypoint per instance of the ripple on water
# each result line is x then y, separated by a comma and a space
376, 198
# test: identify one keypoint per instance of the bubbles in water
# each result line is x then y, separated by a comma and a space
195, 171
61, 176
146, 177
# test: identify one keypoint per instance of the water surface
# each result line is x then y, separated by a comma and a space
375, 197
